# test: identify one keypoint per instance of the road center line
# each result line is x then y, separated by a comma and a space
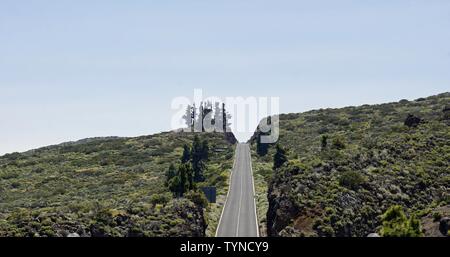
240, 204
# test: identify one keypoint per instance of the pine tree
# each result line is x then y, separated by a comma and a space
279, 158
197, 159
193, 117
324, 142
191, 168
188, 117
218, 118
175, 186
183, 181
261, 148
170, 173
207, 117
205, 150
225, 117
199, 123
186, 157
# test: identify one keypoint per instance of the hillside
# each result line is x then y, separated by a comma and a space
348, 166
108, 187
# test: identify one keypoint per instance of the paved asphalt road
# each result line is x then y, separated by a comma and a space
238, 217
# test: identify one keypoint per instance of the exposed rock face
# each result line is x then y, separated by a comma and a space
281, 209
193, 215
292, 213
446, 108
180, 217
446, 112
73, 235
444, 225
184, 217
437, 222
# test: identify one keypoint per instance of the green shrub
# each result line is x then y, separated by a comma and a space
160, 198
323, 141
15, 184
351, 180
9, 175
396, 224
437, 216
338, 143
106, 187
37, 170
198, 198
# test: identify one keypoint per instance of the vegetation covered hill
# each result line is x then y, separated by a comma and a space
355, 170
109, 187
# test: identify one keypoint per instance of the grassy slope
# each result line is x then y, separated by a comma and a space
115, 185
398, 165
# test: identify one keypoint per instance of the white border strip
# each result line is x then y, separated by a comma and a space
240, 205
254, 191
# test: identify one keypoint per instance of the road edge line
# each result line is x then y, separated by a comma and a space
239, 208
229, 188
254, 191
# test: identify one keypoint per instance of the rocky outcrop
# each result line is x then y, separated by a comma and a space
281, 209
444, 225
446, 114
179, 217
299, 205
437, 222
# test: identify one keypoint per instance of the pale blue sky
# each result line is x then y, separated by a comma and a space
76, 69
